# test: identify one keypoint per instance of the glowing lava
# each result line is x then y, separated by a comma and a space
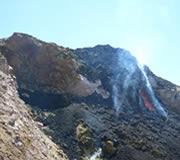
146, 101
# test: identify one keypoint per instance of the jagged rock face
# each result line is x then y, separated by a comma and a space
79, 83
167, 93
124, 78
20, 136
39, 65
50, 69
102, 62
45, 67
3, 64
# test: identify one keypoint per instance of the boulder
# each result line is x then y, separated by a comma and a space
109, 149
85, 138
47, 67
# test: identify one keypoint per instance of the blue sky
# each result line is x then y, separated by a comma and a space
150, 29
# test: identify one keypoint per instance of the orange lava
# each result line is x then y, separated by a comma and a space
146, 102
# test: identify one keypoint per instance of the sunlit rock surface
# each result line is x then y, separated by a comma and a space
3, 64
45, 66
167, 92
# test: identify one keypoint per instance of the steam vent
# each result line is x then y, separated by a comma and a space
96, 103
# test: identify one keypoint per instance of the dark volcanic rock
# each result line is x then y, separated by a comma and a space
144, 135
127, 153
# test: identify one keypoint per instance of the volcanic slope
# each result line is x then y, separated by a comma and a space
98, 97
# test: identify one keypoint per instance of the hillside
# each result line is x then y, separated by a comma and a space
90, 101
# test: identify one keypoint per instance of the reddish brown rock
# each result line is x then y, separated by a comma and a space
46, 66
167, 92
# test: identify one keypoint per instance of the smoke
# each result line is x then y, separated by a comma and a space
96, 154
154, 99
117, 102
131, 87
125, 80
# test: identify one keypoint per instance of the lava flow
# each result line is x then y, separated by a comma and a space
146, 101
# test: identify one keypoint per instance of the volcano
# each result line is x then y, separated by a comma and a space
130, 85
94, 102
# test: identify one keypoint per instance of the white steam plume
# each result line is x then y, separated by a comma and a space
156, 102
96, 154
129, 80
